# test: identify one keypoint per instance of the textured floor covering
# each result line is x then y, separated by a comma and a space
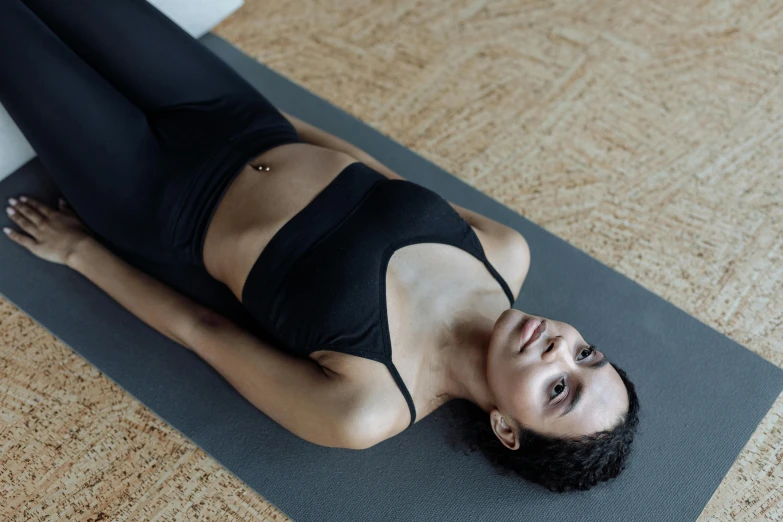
646, 133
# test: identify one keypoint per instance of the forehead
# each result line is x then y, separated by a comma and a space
603, 400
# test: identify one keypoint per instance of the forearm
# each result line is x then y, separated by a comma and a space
322, 138
373, 163
164, 309
334, 142
311, 134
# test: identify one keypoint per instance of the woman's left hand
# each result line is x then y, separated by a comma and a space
50, 234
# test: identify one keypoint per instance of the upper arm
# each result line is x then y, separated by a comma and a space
505, 247
296, 392
519, 254
307, 132
301, 126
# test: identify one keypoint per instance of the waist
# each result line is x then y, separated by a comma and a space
201, 196
258, 203
305, 230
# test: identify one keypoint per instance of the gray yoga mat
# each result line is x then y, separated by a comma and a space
702, 394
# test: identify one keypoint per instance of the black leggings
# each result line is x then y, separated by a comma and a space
141, 126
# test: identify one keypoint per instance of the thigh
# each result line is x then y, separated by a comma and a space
147, 57
96, 145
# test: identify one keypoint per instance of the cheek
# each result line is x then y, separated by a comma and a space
512, 386
499, 373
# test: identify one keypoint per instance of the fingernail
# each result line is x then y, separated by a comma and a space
6, 230
12, 201
23, 199
10, 211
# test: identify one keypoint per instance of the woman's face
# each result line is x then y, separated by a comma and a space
556, 385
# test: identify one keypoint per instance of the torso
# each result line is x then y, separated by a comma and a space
421, 290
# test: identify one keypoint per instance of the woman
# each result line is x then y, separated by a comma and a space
388, 300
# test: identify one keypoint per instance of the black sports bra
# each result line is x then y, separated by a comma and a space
320, 283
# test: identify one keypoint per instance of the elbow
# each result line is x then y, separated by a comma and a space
206, 318
199, 327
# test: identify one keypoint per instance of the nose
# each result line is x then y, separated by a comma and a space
555, 347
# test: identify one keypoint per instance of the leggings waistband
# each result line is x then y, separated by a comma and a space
210, 183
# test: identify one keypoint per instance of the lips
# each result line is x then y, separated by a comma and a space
531, 330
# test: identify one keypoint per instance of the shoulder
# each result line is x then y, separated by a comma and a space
517, 251
375, 417
505, 247
509, 253
377, 410
370, 425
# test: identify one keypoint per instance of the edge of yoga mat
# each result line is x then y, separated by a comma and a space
702, 394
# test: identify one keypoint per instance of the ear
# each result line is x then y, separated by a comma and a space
504, 432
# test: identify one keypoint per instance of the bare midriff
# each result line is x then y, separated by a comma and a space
257, 204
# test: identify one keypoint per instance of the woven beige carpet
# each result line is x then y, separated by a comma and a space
646, 133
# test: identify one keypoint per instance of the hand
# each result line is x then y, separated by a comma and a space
49, 234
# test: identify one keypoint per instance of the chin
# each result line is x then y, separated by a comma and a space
504, 336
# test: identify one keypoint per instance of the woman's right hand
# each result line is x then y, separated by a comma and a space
52, 235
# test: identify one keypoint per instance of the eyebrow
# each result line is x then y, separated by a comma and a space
578, 390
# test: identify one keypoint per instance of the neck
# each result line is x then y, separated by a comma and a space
465, 343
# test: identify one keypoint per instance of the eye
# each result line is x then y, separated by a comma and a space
559, 392
586, 353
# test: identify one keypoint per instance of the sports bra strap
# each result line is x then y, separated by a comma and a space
479, 253
500, 280
404, 389
381, 359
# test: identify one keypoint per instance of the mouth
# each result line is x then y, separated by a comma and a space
531, 331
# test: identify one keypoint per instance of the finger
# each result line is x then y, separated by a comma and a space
27, 211
21, 220
65, 207
17, 237
43, 209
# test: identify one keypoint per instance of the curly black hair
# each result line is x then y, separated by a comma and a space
558, 464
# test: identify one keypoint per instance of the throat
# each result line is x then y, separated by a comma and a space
465, 343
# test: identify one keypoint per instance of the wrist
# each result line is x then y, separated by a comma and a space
79, 253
